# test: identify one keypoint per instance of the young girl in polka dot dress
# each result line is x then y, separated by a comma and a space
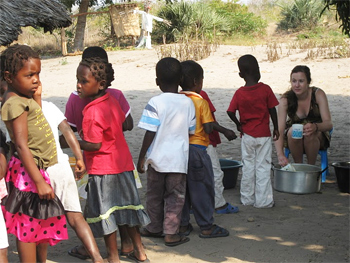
31, 210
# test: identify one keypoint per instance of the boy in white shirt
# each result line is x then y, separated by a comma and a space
168, 119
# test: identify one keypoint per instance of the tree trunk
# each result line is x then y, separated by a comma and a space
81, 23
63, 42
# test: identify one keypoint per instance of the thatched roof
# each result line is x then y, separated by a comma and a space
14, 14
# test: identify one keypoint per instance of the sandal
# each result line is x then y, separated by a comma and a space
188, 231
183, 239
125, 254
74, 252
133, 257
229, 209
216, 232
145, 233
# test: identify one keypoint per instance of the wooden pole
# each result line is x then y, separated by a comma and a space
63, 42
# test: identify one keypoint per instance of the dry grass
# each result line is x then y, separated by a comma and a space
186, 50
314, 48
273, 51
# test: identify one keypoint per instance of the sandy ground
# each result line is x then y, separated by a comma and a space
300, 228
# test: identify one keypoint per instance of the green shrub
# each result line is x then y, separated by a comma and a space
239, 19
209, 19
300, 15
188, 19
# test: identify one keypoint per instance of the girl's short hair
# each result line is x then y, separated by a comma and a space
13, 58
100, 69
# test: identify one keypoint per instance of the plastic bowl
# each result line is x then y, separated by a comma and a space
230, 169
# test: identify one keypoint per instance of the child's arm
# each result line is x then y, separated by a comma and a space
128, 124
147, 141
273, 114
3, 163
233, 117
63, 142
89, 146
73, 143
20, 133
281, 116
208, 127
229, 134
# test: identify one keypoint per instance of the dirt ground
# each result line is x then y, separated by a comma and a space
300, 228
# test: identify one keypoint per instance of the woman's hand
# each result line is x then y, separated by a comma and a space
309, 129
282, 160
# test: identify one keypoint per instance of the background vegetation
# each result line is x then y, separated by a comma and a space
307, 24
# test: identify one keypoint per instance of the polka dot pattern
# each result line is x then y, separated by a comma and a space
26, 228
20, 177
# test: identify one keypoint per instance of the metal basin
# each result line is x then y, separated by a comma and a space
305, 180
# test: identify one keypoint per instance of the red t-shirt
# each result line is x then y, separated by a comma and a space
214, 136
102, 123
253, 104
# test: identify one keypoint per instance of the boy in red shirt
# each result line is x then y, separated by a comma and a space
255, 103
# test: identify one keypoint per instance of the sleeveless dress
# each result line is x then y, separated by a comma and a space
314, 116
29, 218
